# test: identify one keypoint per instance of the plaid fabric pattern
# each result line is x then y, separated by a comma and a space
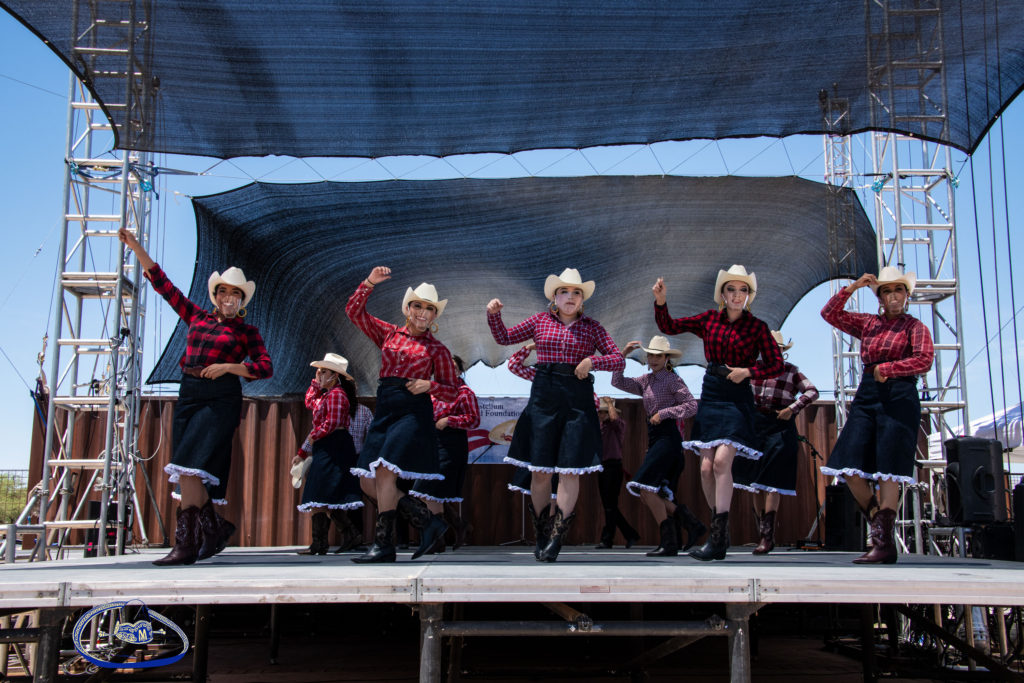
777, 393
360, 425
330, 410
900, 347
664, 393
403, 354
212, 340
558, 343
516, 367
464, 413
735, 344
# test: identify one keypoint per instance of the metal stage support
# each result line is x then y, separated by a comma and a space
95, 364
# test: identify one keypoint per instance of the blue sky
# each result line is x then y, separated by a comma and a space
33, 92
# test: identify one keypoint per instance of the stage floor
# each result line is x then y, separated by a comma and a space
510, 574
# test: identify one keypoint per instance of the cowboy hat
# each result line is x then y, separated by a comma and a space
333, 361
570, 277
740, 274
426, 293
299, 470
501, 435
232, 277
892, 274
659, 345
781, 341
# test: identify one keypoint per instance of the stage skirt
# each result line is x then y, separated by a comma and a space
401, 436
330, 482
206, 416
558, 430
879, 439
775, 471
663, 462
453, 457
725, 416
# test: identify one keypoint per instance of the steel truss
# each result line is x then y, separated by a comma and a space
95, 365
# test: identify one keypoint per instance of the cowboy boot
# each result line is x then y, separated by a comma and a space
383, 548
559, 528
460, 525
686, 520
873, 529
439, 545
669, 545
351, 537
431, 527
541, 529
607, 531
883, 551
321, 524
215, 531
186, 539
766, 526
718, 541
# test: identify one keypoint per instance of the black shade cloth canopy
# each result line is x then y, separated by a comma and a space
306, 78
307, 246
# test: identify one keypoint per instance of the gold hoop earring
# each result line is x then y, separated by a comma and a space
881, 309
721, 306
434, 328
242, 312
408, 321
746, 307
553, 308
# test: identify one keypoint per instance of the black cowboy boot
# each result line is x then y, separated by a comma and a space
559, 528
883, 532
460, 526
766, 527
541, 529
718, 541
383, 548
321, 524
187, 537
439, 545
431, 527
668, 547
607, 531
215, 531
686, 520
351, 537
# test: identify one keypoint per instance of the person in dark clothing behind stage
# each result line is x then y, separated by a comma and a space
778, 399
402, 442
559, 430
877, 445
209, 405
738, 348
609, 479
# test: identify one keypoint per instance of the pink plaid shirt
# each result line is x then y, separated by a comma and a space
360, 426
777, 393
559, 343
330, 412
403, 354
664, 393
464, 413
900, 347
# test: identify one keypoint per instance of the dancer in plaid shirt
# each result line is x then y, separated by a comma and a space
558, 430
401, 442
879, 439
778, 401
331, 489
724, 426
209, 405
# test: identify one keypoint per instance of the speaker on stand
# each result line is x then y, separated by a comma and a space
844, 525
975, 483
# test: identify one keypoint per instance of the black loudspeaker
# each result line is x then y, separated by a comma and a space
975, 486
1018, 521
992, 541
844, 525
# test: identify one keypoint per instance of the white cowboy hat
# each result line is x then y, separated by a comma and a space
299, 470
781, 341
501, 435
333, 361
738, 273
892, 274
660, 345
426, 293
232, 277
570, 277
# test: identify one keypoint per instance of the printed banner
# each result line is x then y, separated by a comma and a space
488, 443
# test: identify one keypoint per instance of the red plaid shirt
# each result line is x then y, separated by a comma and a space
558, 343
735, 344
403, 354
212, 340
900, 347
464, 413
781, 392
330, 411
528, 372
664, 393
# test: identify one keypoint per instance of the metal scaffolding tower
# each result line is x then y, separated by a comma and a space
95, 364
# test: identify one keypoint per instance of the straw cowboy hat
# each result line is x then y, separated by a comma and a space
781, 341
299, 470
740, 274
333, 361
501, 434
892, 274
660, 345
426, 293
232, 277
570, 277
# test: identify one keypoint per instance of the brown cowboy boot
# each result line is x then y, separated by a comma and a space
215, 531
321, 526
186, 539
766, 526
884, 531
